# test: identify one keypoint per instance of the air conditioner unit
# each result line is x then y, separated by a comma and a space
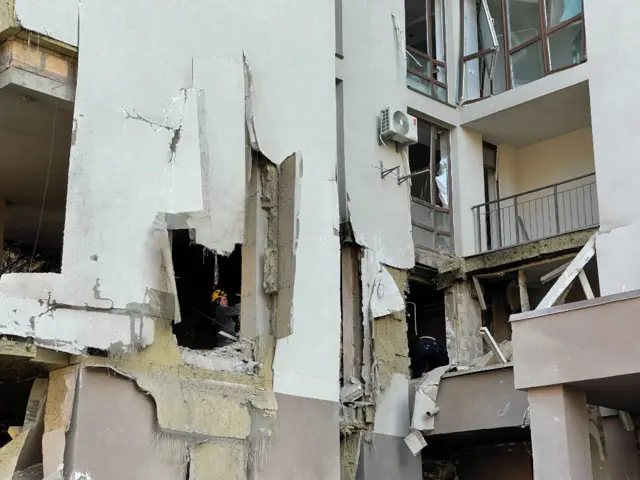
398, 126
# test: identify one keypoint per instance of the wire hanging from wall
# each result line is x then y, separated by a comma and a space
46, 183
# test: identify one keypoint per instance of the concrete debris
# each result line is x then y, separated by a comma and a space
425, 407
415, 441
236, 357
22, 259
352, 391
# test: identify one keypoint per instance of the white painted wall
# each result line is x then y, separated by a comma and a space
54, 18
555, 160
613, 86
374, 74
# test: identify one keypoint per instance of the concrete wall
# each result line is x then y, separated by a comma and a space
613, 107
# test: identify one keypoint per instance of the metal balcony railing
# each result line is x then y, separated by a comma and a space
536, 214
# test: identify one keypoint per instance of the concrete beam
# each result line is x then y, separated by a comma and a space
459, 268
31, 66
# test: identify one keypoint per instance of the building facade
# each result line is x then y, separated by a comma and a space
147, 163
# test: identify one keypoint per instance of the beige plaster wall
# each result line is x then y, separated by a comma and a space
555, 160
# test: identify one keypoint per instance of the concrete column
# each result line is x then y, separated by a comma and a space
463, 322
560, 434
467, 187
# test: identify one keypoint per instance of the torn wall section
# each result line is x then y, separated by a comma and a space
463, 323
157, 426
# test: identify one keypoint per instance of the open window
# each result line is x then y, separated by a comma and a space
35, 133
426, 55
509, 43
480, 49
430, 191
206, 322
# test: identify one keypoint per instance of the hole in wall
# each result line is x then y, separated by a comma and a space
205, 324
426, 328
35, 133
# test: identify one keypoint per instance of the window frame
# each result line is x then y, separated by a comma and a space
431, 204
543, 37
431, 55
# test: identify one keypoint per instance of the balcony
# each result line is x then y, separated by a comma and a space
589, 345
478, 400
544, 212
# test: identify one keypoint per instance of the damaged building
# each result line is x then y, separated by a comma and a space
318, 240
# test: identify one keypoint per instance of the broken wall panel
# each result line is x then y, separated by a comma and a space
379, 208
222, 148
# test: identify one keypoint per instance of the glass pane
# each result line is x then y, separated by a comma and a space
524, 21
476, 78
559, 11
419, 84
527, 65
415, 13
420, 158
422, 214
441, 93
565, 46
443, 244
440, 73
418, 64
423, 238
443, 222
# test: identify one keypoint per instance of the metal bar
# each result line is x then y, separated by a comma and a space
404, 178
556, 206
526, 44
479, 229
546, 187
515, 218
386, 172
478, 54
499, 225
586, 286
507, 41
484, 331
560, 26
546, 54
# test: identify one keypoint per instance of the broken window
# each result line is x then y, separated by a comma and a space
209, 286
33, 180
430, 191
426, 57
509, 43
426, 327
